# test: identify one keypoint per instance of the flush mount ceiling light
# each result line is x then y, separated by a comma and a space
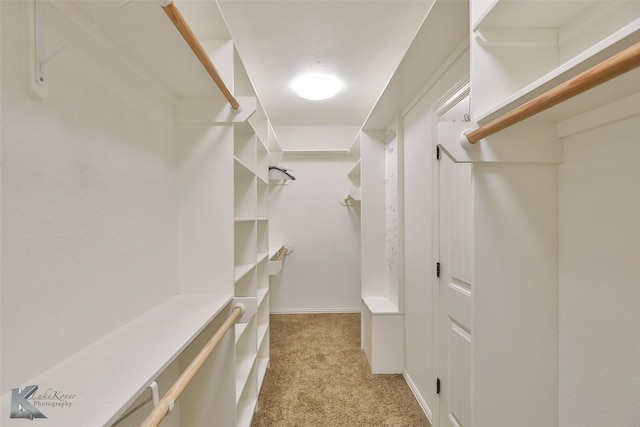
316, 86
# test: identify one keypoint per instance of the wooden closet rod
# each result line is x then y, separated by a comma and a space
165, 405
618, 64
178, 20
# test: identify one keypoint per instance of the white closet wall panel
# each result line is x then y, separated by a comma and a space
323, 272
515, 298
88, 203
418, 253
205, 216
600, 276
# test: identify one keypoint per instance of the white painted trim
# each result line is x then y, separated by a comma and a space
314, 310
418, 396
617, 110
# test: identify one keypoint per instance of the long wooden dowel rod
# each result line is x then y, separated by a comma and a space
618, 64
158, 413
178, 20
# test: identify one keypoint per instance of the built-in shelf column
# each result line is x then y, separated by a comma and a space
251, 241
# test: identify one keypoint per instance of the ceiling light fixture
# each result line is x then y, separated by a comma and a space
317, 86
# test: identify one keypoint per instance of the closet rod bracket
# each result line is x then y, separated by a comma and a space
249, 307
39, 41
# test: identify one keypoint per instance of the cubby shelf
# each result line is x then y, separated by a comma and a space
244, 165
251, 190
240, 328
355, 170
243, 369
242, 270
245, 410
262, 332
262, 292
263, 364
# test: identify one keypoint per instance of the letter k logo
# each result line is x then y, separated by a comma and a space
21, 407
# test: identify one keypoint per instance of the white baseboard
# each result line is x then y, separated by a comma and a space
416, 393
313, 310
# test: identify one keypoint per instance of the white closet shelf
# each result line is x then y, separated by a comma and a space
244, 364
530, 14
113, 372
244, 219
355, 170
621, 39
240, 328
274, 248
244, 165
262, 256
245, 411
355, 193
263, 364
380, 305
262, 333
262, 292
318, 152
242, 270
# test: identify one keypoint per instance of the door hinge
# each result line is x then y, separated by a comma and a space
437, 269
437, 152
437, 385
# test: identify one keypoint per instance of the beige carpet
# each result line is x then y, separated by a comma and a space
319, 376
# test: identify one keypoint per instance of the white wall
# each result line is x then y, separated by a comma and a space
600, 276
515, 295
316, 137
88, 202
323, 272
205, 208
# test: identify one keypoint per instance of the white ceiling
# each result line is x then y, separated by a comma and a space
362, 42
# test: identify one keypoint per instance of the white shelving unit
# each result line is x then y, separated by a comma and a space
381, 314
251, 240
521, 49
221, 232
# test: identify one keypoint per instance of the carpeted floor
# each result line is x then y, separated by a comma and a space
319, 377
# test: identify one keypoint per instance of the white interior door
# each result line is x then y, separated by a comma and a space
455, 288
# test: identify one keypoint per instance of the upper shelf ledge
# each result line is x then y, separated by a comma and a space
623, 38
159, 55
